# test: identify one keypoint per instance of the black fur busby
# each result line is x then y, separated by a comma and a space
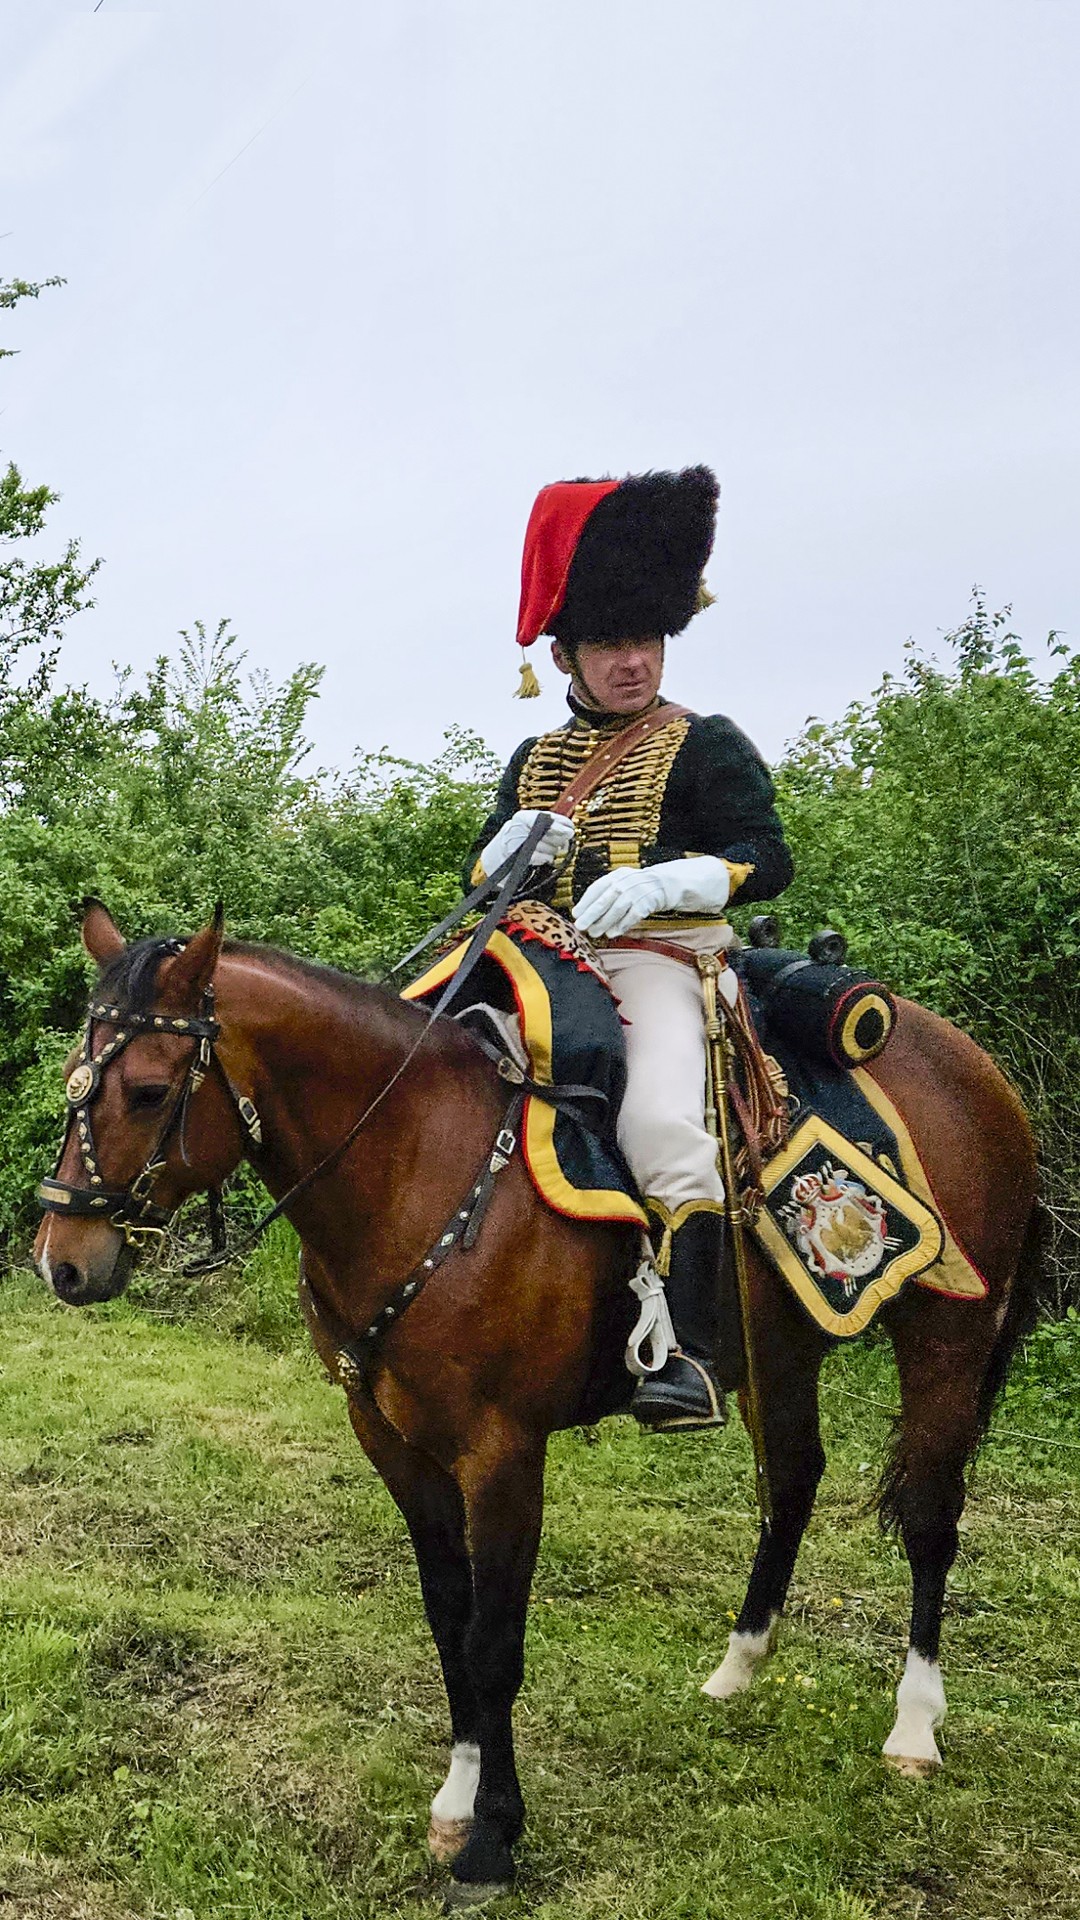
638, 562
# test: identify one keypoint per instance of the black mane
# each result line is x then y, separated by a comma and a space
129, 981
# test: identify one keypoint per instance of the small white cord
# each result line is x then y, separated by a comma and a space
653, 1328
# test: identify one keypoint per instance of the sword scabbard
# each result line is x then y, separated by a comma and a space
718, 1121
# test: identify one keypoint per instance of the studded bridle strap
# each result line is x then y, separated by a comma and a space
132, 1208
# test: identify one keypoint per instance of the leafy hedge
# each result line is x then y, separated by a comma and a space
938, 826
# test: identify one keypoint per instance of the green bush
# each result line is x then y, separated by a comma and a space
177, 793
938, 826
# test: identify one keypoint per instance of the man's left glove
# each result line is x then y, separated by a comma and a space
624, 897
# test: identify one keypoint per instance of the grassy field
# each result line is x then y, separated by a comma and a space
218, 1696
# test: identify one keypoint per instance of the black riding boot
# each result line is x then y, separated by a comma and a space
688, 1392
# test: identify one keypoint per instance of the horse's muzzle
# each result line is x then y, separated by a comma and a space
84, 1285
77, 1290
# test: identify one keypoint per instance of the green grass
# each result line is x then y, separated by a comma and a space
218, 1696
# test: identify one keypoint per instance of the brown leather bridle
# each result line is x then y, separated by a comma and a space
132, 1209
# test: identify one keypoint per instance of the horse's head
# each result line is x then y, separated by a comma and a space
151, 1115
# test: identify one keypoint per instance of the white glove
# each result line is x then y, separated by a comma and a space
620, 899
516, 829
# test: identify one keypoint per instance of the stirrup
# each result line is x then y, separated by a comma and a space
679, 1421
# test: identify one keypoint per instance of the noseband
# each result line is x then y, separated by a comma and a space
132, 1209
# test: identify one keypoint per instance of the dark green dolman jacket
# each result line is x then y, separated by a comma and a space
695, 786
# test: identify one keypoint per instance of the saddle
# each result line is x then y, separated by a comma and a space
831, 1184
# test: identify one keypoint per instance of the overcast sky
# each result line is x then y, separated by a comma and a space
348, 283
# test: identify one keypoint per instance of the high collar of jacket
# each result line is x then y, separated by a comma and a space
603, 722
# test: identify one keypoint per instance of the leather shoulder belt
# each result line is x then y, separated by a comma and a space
603, 762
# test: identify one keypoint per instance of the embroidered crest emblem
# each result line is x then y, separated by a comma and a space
843, 1232
838, 1226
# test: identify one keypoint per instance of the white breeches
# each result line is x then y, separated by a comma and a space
662, 1127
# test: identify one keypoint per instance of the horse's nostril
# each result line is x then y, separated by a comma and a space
66, 1279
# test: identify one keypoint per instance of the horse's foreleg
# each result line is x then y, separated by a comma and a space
923, 1496
438, 1538
431, 1504
502, 1488
788, 1366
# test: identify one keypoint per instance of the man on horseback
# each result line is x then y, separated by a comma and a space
648, 862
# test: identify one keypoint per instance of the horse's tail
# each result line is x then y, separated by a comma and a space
1021, 1313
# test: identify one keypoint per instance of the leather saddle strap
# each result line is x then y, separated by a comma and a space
604, 761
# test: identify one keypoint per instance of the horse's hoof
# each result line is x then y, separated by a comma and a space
473, 1893
446, 1838
909, 1768
746, 1652
725, 1683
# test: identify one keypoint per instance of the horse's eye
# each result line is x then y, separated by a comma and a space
146, 1097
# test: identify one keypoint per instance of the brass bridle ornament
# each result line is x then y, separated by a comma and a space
132, 1209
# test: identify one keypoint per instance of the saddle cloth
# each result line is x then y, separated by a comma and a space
848, 1214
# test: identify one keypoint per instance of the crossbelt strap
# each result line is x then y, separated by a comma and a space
604, 762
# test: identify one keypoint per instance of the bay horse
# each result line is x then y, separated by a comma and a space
522, 1333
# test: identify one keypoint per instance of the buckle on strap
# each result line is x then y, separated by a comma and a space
139, 1190
503, 1151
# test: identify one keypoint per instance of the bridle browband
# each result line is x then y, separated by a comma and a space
132, 1209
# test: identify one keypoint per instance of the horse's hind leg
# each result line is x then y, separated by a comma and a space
923, 1497
502, 1487
789, 1360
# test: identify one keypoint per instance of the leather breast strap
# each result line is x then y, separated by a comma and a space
604, 761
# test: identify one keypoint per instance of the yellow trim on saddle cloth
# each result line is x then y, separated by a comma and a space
814, 1131
952, 1273
538, 1137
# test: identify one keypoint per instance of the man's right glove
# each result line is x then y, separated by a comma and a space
516, 829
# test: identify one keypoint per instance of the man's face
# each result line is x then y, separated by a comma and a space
621, 676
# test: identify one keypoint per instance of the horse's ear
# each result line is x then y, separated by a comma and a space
101, 936
193, 969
